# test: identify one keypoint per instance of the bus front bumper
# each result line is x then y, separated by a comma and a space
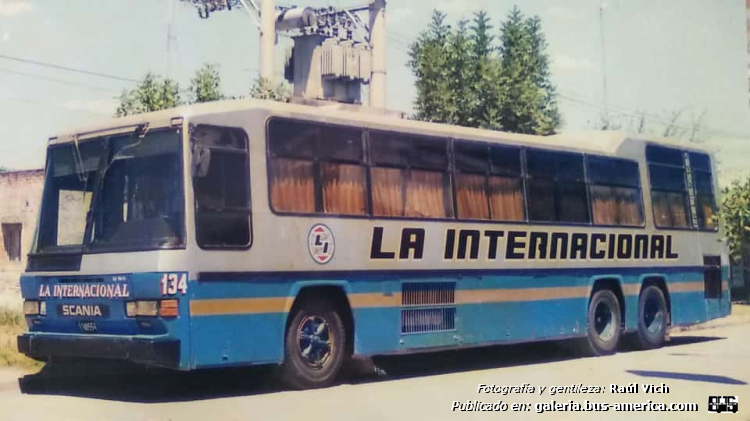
154, 352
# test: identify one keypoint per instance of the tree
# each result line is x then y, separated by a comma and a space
429, 61
530, 106
263, 89
205, 86
152, 94
463, 78
735, 215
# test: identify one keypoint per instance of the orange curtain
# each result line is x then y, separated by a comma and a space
616, 206
629, 206
344, 189
706, 204
604, 205
506, 199
471, 196
387, 197
669, 209
292, 186
425, 195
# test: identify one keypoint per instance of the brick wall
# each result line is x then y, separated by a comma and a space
20, 196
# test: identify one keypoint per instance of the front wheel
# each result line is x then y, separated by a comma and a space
314, 346
603, 329
652, 318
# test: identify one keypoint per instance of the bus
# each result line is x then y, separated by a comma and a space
251, 232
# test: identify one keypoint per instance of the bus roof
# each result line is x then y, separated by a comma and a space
600, 142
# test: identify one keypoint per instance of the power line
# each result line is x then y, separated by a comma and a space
650, 117
61, 81
46, 104
68, 69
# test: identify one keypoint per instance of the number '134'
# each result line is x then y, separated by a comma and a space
173, 282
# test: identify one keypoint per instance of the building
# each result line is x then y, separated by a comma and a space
20, 197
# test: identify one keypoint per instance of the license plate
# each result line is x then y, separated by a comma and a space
87, 327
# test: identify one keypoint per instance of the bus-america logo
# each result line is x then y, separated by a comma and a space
321, 244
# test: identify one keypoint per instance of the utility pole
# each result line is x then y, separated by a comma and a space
267, 39
604, 63
171, 37
378, 78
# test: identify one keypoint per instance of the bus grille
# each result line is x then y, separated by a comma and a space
419, 320
428, 293
429, 307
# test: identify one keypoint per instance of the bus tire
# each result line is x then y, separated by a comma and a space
314, 345
652, 318
603, 327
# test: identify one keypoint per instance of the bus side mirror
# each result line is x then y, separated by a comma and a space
201, 161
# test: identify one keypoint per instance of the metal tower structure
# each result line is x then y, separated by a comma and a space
335, 52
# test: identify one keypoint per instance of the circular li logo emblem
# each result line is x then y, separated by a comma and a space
321, 244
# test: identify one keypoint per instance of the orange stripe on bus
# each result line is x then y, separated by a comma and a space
685, 287
220, 307
374, 300
519, 294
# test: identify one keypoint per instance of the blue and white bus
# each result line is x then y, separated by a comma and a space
252, 232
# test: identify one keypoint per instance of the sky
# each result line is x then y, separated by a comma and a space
659, 57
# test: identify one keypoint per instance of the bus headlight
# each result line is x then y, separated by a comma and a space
141, 308
31, 307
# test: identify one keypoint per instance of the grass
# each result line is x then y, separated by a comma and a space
12, 324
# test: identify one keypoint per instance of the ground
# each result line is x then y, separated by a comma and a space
695, 364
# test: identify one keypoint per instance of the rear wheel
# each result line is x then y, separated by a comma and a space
315, 345
603, 329
652, 318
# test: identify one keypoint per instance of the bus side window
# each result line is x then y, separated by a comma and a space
222, 195
556, 187
700, 166
669, 193
615, 192
488, 182
315, 168
409, 176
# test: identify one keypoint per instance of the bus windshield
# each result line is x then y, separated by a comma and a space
115, 193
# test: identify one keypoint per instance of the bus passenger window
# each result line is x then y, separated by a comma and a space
669, 194
488, 182
409, 176
222, 196
556, 187
315, 168
615, 192
292, 185
343, 179
700, 166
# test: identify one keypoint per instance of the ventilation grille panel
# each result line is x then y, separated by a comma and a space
428, 293
420, 320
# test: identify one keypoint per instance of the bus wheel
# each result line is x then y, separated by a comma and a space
652, 318
604, 323
314, 345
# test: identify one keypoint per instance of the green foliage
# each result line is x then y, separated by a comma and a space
10, 318
12, 324
735, 215
263, 89
205, 86
463, 78
152, 94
